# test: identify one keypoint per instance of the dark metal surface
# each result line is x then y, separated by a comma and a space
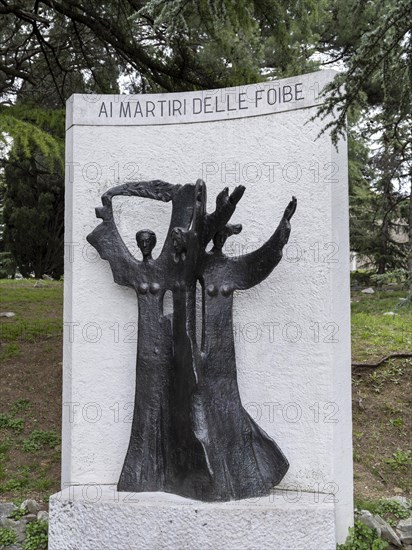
190, 433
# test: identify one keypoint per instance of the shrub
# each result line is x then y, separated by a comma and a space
7, 536
361, 277
36, 536
362, 538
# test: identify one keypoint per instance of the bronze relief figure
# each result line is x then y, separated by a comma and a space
190, 433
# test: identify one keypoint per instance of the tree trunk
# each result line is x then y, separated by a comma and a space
386, 205
410, 237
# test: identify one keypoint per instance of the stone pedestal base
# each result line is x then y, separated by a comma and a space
92, 517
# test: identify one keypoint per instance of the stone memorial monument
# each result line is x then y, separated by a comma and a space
230, 426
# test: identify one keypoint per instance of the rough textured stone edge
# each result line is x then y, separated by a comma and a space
164, 521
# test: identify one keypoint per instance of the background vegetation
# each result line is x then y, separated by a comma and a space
52, 48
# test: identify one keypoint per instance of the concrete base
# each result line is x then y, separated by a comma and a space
91, 517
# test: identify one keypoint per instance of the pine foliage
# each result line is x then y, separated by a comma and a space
27, 128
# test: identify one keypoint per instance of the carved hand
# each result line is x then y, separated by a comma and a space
237, 194
222, 198
290, 209
105, 212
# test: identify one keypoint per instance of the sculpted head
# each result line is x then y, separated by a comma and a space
178, 237
146, 241
200, 194
221, 236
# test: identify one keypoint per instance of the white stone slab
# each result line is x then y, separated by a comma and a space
298, 92
292, 332
97, 517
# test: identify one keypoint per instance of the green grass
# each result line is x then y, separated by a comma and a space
374, 334
39, 439
18, 480
5, 446
35, 312
19, 406
400, 460
10, 350
40, 446
20, 291
10, 423
29, 448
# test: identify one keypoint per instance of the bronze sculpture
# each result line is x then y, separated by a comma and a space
190, 433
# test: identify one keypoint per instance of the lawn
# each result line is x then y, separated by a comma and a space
381, 398
374, 334
30, 391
